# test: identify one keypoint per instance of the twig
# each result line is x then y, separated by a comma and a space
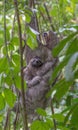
43, 16
37, 24
21, 67
7, 123
12, 32
30, 3
16, 118
34, 21
34, 17
52, 109
5, 39
49, 18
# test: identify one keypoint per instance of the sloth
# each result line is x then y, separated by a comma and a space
40, 65
37, 70
42, 51
37, 75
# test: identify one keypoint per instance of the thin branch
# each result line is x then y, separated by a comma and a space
42, 14
49, 18
54, 121
12, 32
7, 120
52, 108
16, 117
34, 20
21, 67
37, 23
5, 39
30, 3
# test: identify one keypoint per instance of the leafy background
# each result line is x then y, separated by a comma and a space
64, 18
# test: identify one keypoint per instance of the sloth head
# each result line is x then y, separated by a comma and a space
36, 62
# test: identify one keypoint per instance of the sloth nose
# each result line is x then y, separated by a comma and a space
45, 34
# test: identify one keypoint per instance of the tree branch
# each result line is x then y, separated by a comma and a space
12, 32
52, 109
21, 68
7, 120
5, 39
49, 18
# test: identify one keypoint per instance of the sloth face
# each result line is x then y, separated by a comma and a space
36, 62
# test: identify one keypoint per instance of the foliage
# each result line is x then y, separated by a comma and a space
64, 93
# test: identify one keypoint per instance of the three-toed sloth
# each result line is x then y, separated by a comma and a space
40, 64
36, 71
37, 75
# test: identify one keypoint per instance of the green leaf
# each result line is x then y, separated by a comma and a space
41, 8
62, 128
58, 117
74, 118
69, 72
3, 64
41, 112
73, 46
31, 42
74, 100
28, 17
1, 77
59, 68
29, 12
61, 45
18, 81
1, 119
16, 59
1, 42
15, 41
68, 100
31, 39
16, 62
8, 33
62, 89
2, 102
54, 11
50, 122
8, 79
70, 112
75, 1
10, 98
39, 125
